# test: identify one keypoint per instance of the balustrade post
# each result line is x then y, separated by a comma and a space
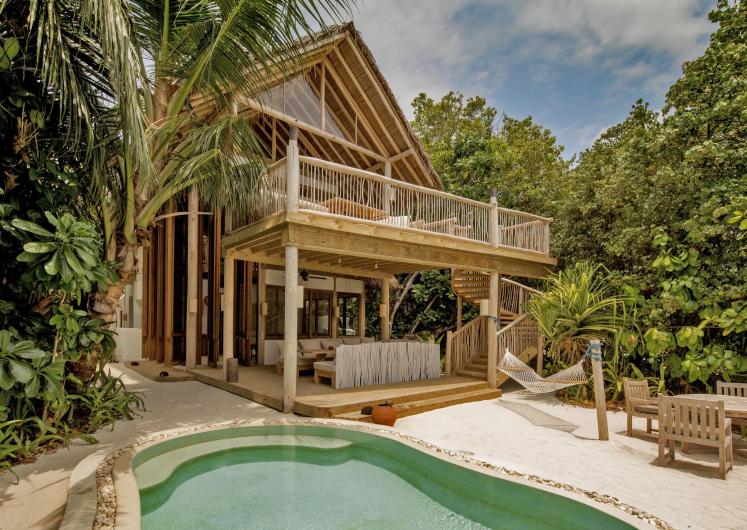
493, 218
294, 172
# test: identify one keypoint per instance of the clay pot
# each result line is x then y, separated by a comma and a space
384, 415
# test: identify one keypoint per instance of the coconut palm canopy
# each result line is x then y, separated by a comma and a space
136, 62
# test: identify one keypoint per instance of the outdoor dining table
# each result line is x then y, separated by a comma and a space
734, 406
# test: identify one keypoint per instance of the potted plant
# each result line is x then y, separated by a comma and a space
384, 414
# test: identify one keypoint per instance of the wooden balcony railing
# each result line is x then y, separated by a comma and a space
310, 184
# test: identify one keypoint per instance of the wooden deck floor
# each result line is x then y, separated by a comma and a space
263, 385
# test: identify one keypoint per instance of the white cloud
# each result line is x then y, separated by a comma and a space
439, 45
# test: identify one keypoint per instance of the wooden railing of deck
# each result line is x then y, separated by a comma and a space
334, 189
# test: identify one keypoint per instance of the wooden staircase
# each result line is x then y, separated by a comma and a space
466, 348
478, 366
421, 402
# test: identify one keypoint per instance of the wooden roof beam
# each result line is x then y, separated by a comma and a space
251, 103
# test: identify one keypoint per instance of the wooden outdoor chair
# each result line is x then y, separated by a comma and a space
736, 390
687, 420
637, 394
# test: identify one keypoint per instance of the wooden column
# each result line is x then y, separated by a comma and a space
194, 275
447, 359
214, 262
494, 314
459, 312
335, 310
384, 310
249, 323
145, 308
599, 398
159, 301
152, 312
261, 316
168, 318
540, 351
493, 319
362, 313
290, 331
229, 281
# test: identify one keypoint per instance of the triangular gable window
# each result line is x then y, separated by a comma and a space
297, 99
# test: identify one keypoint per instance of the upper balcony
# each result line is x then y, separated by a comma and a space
362, 222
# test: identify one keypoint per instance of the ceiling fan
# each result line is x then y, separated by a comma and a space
305, 276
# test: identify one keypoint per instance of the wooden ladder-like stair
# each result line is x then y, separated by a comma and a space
423, 402
478, 366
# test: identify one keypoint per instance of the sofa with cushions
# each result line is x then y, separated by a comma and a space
311, 350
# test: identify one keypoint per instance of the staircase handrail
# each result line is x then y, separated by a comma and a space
472, 331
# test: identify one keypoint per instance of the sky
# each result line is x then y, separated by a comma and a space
575, 66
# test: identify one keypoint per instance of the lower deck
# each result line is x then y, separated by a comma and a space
262, 385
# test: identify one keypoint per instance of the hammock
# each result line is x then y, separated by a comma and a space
517, 370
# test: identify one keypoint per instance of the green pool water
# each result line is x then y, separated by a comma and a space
296, 477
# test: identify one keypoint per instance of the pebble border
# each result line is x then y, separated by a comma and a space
106, 498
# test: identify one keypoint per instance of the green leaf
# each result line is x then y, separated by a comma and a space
34, 228
39, 247
11, 47
21, 371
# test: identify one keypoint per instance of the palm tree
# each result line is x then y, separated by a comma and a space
579, 305
124, 72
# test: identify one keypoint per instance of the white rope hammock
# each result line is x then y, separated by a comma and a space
520, 372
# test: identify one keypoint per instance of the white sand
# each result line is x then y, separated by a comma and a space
38, 500
687, 494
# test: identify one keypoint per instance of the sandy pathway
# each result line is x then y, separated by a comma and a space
38, 500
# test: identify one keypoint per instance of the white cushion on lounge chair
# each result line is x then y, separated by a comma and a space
327, 366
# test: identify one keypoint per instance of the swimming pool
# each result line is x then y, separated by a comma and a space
301, 476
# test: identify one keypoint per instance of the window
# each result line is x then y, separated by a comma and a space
348, 306
275, 311
315, 318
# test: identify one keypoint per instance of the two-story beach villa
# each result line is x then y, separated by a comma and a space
349, 197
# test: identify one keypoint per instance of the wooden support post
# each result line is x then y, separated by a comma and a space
214, 297
159, 301
447, 363
152, 287
290, 330
362, 313
145, 306
459, 312
599, 397
387, 189
229, 279
293, 169
384, 310
194, 275
493, 320
168, 318
261, 316
540, 351
249, 324
335, 310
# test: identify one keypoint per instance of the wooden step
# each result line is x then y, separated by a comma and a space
415, 394
425, 405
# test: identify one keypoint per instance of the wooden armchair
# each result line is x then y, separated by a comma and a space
687, 420
736, 390
636, 394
